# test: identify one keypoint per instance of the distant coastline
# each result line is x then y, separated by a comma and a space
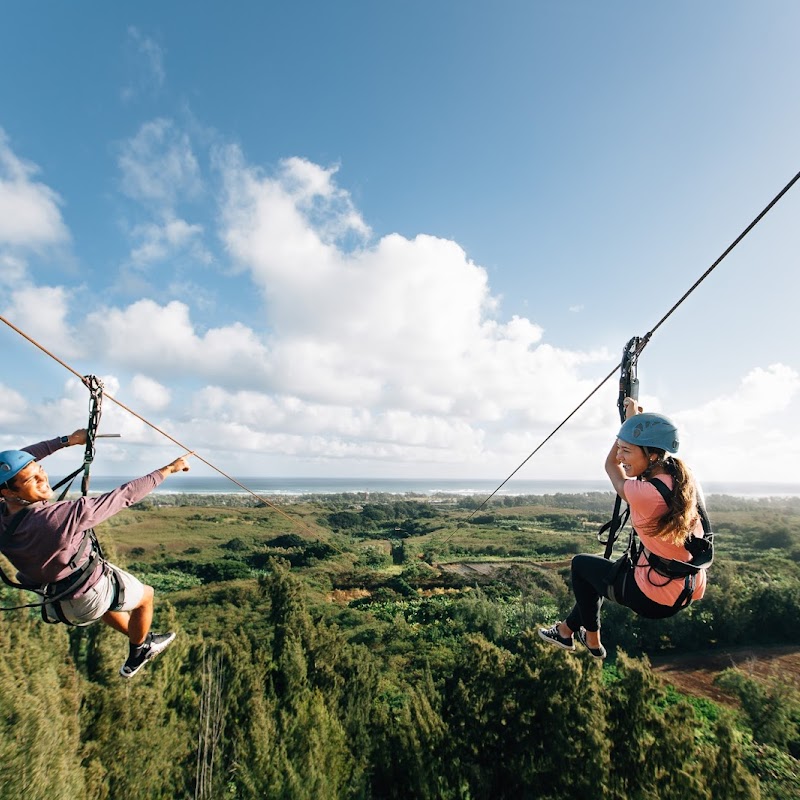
295, 487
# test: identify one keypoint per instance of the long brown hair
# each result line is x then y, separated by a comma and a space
681, 517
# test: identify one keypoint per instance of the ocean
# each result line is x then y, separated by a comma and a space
293, 487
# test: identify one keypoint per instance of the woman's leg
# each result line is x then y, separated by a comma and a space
589, 583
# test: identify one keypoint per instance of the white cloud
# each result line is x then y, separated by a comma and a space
151, 394
750, 433
159, 171
761, 395
13, 406
41, 312
29, 210
13, 270
161, 340
157, 242
405, 324
158, 165
261, 413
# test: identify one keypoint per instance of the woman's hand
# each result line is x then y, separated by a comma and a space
632, 407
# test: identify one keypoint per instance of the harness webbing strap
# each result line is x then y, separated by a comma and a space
613, 526
673, 569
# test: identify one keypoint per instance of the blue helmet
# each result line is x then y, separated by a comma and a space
12, 462
650, 430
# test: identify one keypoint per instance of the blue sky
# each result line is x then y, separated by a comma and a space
399, 240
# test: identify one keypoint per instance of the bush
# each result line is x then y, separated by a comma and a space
236, 545
225, 570
287, 540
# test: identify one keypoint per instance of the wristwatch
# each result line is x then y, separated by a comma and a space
64, 440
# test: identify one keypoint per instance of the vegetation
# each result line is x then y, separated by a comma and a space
386, 648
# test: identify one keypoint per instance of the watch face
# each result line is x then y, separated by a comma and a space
65, 440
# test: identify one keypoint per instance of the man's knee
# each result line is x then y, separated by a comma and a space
147, 596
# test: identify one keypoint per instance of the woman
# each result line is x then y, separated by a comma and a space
640, 455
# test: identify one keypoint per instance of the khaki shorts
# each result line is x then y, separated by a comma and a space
89, 607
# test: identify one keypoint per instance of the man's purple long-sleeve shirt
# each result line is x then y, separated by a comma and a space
49, 535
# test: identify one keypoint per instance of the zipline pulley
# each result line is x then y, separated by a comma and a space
628, 374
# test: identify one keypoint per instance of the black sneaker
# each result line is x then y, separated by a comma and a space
552, 636
597, 652
153, 645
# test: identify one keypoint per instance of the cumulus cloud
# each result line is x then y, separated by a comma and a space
41, 311
400, 323
161, 341
761, 394
149, 393
13, 406
30, 216
258, 412
748, 432
388, 350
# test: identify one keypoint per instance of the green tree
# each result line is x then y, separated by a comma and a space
727, 778
652, 745
410, 740
40, 694
772, 707
132, 731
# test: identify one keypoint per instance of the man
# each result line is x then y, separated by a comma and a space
50, 545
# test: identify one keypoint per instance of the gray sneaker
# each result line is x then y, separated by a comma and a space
153, 645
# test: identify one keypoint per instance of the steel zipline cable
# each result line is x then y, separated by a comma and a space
107, 396
645, 339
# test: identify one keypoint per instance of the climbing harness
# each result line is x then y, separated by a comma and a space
89, 554
701, 550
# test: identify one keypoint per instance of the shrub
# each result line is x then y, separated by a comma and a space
236, 544
225, 570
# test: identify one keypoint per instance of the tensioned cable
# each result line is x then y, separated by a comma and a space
107, 396
645, 339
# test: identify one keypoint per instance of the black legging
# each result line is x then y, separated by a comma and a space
590, 577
